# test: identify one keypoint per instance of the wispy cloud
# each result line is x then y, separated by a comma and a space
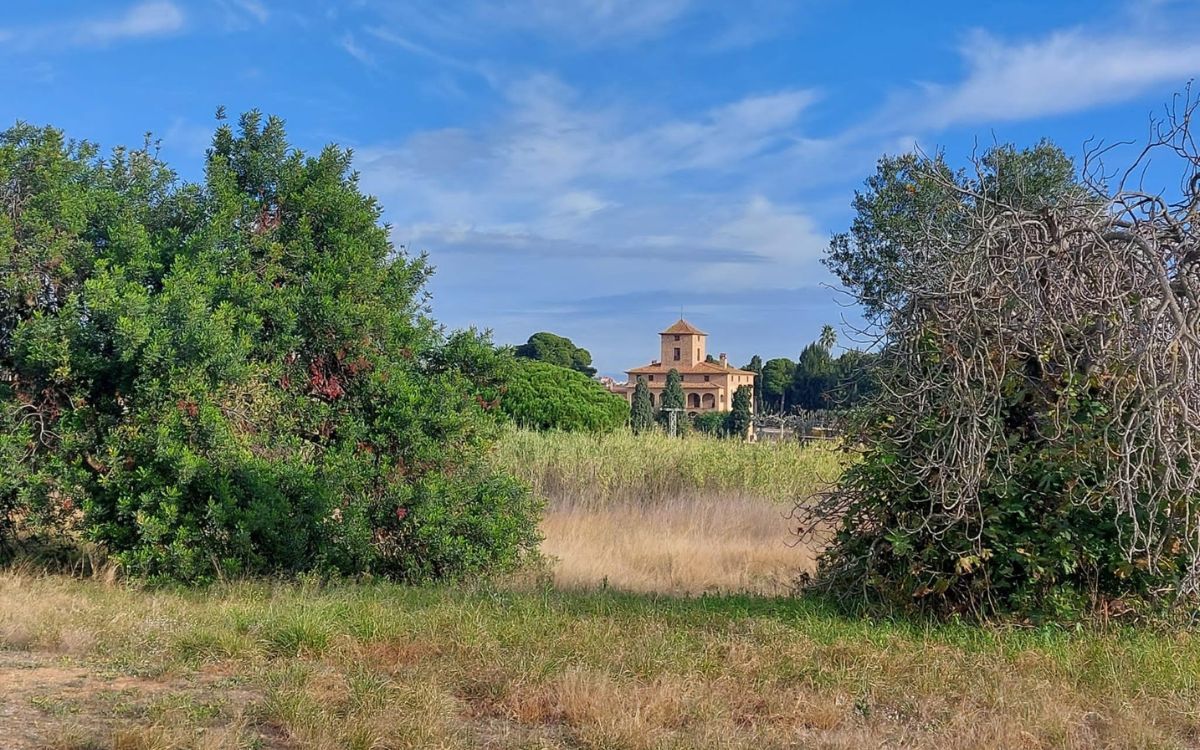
581, 25
355, 50
590, 20
244, 14
610, 196
1068, 71
156, 18
144, 20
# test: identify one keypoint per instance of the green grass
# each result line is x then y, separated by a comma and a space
582, 467
524, 666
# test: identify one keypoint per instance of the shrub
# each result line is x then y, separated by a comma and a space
712, 423
239, 376
1022, 455
543, 396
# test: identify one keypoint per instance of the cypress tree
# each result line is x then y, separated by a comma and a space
673, 398
756, 367
641, 417
673, 394
741, 417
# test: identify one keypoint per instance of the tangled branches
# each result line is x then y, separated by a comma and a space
1038, 423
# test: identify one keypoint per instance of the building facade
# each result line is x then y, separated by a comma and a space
707, 386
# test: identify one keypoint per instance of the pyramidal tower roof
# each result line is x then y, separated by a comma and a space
682, 326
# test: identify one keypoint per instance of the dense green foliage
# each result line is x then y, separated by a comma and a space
733, 423
756, 366
818, 381
777, 382
673, 398
740, 415
815, 379
557, 350
1044, 538
543, 396
715, 423
237, 376
641, 417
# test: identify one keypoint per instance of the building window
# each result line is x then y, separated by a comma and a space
694, 400
676, 338
677, 354
705, 378
651, 378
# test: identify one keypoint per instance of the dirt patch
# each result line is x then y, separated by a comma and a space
48, 700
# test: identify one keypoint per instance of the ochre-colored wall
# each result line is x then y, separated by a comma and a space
692, 349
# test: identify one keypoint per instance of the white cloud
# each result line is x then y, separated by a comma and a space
1068, 71
606, 192
155, 18
548, 150
582, 24
144, 20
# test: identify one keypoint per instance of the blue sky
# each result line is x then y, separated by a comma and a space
590, 167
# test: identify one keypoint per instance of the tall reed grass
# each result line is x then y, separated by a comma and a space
595, 470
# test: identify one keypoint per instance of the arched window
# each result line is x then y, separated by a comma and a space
694, 400
652, 398
710, 401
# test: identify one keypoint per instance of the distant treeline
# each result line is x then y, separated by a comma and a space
816, 381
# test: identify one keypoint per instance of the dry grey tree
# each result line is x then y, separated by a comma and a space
1072, 324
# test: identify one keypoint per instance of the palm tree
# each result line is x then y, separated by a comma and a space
828, 337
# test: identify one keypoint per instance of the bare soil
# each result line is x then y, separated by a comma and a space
48, 700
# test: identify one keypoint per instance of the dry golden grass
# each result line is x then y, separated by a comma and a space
383, 666
91, 664
646, 513
679, 546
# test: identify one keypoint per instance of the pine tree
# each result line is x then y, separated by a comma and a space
741, 417
814, 378
641, 417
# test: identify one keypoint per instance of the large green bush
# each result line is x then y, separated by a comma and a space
995, 451
238, 376
542, 396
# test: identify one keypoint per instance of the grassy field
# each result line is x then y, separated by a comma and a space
583, 469
649, 514
597, 650
93, 665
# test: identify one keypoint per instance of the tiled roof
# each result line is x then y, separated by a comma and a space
682, 326
704, 368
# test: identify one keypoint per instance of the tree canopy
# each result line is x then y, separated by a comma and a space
543, 396
1022, 452
237, 376
557, 350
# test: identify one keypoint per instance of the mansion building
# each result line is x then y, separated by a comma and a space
707, 385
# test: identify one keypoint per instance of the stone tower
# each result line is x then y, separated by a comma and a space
683, 345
